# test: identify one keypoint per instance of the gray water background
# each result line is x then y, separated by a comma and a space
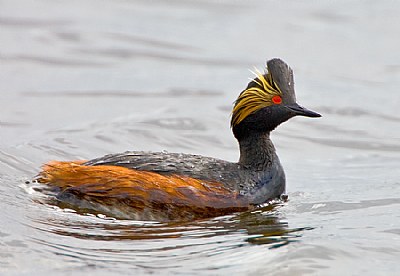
80, 79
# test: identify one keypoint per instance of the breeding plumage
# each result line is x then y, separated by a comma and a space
171, 186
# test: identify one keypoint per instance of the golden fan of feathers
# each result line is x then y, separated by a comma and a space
257, 95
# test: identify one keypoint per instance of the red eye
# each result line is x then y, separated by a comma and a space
276, 99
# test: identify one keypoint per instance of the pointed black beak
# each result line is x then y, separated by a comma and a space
299, 110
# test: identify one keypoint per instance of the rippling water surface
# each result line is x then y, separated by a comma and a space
80, 79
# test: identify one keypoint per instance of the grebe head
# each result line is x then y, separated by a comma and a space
268, 101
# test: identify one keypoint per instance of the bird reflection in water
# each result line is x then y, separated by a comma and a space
263, 226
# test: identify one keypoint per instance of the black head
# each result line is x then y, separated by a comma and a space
268, 101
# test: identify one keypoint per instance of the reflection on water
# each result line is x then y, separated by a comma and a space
262, 227
268, 229
109, 243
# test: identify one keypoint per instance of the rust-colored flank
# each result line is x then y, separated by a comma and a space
140, 194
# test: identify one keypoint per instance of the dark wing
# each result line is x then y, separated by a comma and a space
195, 166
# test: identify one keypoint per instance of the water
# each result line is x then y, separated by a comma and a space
81, 79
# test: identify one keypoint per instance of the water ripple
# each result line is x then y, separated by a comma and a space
171, 93
335, 206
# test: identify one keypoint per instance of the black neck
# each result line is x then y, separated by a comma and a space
256, 151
